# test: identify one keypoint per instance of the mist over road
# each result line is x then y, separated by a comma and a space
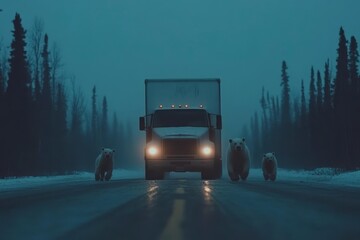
181, 208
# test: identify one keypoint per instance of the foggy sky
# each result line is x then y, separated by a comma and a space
117, 44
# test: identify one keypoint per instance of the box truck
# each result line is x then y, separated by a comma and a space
182, 124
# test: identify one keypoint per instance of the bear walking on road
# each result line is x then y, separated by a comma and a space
238, 159
269, 166
104, 164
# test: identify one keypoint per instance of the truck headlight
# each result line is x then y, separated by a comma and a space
207, 151
152, 151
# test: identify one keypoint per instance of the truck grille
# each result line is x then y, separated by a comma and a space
175, 148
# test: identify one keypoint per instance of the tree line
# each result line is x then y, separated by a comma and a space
318, 129
45, 126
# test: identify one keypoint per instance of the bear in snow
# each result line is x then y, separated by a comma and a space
269, 166
238, 159
104, 164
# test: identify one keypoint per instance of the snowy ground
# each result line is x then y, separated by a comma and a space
321, 175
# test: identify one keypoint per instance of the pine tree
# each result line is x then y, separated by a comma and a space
341, 103
115, 137
313, 115
342, 75
2, 85
19, 80
18, 104
303, 112
77, 146
257, 148
319, 99
285, 96
2, 115
94, 128
353, 66
36, 36
312, 99
327, 136
104, 122
60, 130
264, 109
46, 78
46, 108
327, 88
354, 103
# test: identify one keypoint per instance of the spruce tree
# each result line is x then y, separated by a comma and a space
327, 88
18, 104
342, 74
319, 99
312, 99
354, 108
303, 112
327, 137
36, 36
2, 122
46, 108
115, 137
285, 111
94, 128
2, 85
353, 66
256, 144
46, 78
285, 96
104, 122
341, 103
312, 114
264, 109
60, 130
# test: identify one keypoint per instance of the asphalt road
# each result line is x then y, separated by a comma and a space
181, 209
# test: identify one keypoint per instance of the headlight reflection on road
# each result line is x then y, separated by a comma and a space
207, 191
152, 191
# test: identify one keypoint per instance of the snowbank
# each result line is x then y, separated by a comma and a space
25, 182
320, 175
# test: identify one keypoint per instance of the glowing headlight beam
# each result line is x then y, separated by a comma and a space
207, 151
152, 151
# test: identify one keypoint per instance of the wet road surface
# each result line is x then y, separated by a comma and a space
181, 209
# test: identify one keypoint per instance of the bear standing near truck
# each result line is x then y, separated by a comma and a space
269, 166
238, 159
104, 164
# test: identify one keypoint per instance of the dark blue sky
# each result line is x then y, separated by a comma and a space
117, 44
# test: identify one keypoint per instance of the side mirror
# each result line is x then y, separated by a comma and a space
218, 122
142, 123
212, 134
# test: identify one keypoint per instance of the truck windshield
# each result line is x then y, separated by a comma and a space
180, 118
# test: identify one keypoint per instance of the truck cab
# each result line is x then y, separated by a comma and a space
181, 137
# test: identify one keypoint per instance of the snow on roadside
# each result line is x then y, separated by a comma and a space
26, 182
320, 175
